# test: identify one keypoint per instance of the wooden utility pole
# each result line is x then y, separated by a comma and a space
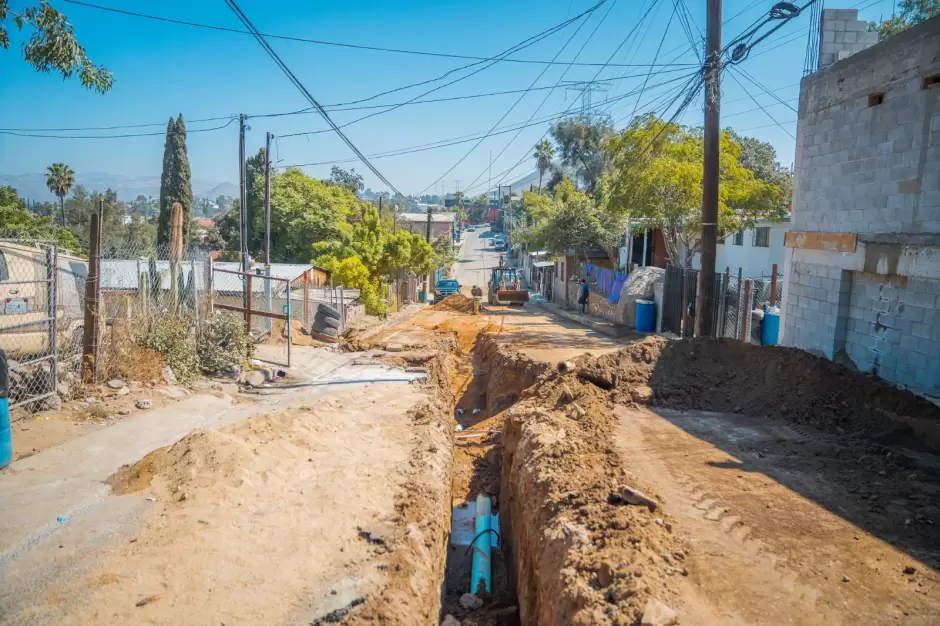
705, 307
92, 307
267, 199
242, 200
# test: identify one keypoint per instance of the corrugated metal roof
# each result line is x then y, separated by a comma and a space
423, 217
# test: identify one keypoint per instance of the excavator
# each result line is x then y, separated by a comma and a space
503, 287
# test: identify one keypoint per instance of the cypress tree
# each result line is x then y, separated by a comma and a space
176, 181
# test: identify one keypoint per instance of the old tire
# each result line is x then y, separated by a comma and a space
323, 321
326, 330
326, 310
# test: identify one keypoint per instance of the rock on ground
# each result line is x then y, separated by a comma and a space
655, 613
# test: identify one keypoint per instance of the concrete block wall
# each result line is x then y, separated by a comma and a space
894, 328
815, 307
868, 163
841, 35
872, 168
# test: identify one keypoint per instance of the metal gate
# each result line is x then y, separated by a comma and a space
36, 320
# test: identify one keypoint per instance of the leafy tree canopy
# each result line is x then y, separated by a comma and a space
17, 222
347, 179
569, 220
52, 46
657, 177
580, 143
912, 12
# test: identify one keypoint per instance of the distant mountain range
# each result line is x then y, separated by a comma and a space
33, 186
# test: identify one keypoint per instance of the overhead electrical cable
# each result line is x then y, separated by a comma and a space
762, 108
518, 100
303, 90
446, 55
515, 48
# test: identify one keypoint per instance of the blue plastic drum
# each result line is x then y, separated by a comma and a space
770, 329
6, 437
646, 316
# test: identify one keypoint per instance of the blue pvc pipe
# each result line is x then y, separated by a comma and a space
481, 566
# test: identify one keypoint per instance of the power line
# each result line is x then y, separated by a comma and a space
764, 89
601, 69
124, 136
495, 60
545, 99
303, 90
766, 112
518, 100
658, 50
321, 41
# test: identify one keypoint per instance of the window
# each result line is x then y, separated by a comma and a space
876, 98
739, 237
930, 81
762, 237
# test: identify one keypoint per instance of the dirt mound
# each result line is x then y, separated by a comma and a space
206, 461
457, 302
581, 555
730, 376
502, 373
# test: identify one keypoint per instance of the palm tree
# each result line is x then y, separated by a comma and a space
544, 153
60, 178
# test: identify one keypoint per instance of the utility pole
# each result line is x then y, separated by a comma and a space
705, 305
267, 199
242, 209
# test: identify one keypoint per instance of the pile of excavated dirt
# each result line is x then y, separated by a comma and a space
581, 554
733, 377
457, 302
503, 373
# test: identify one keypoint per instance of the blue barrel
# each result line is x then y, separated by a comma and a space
646, 316
6, 437
770, 329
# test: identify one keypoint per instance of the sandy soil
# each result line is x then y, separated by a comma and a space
281, 518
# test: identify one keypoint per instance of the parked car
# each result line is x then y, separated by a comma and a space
446, 287
24, 328
499, 242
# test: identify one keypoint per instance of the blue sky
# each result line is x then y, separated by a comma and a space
163, 69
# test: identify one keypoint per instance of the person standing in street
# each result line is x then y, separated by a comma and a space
583, 295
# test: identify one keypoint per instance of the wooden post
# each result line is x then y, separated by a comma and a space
722, 303
90, 334
773, 286
307, 299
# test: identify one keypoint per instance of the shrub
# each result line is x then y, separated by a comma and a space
224, 342
172, 338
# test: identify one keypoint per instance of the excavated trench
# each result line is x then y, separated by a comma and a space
578, 543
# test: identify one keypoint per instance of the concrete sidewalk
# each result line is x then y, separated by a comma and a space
598, 324
59, 497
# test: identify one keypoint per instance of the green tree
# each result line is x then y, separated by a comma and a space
569, 221
581, 146
175, 182
60, 179
52, 45
17, 222
657, 177
761, 158
544, 153
347, 179
913, 12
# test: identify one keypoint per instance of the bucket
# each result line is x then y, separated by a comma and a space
646, 316
770, 329
6, 438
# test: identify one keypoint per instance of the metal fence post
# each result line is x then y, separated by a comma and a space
342, 306
289, 322
52, 275
746, 311
248, 302
737, 310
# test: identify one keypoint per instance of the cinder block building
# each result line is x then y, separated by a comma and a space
862, 264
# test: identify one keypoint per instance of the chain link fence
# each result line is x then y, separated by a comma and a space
41, 317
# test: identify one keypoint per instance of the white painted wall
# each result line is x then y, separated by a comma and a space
755, 262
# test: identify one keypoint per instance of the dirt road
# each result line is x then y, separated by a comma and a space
288, 510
